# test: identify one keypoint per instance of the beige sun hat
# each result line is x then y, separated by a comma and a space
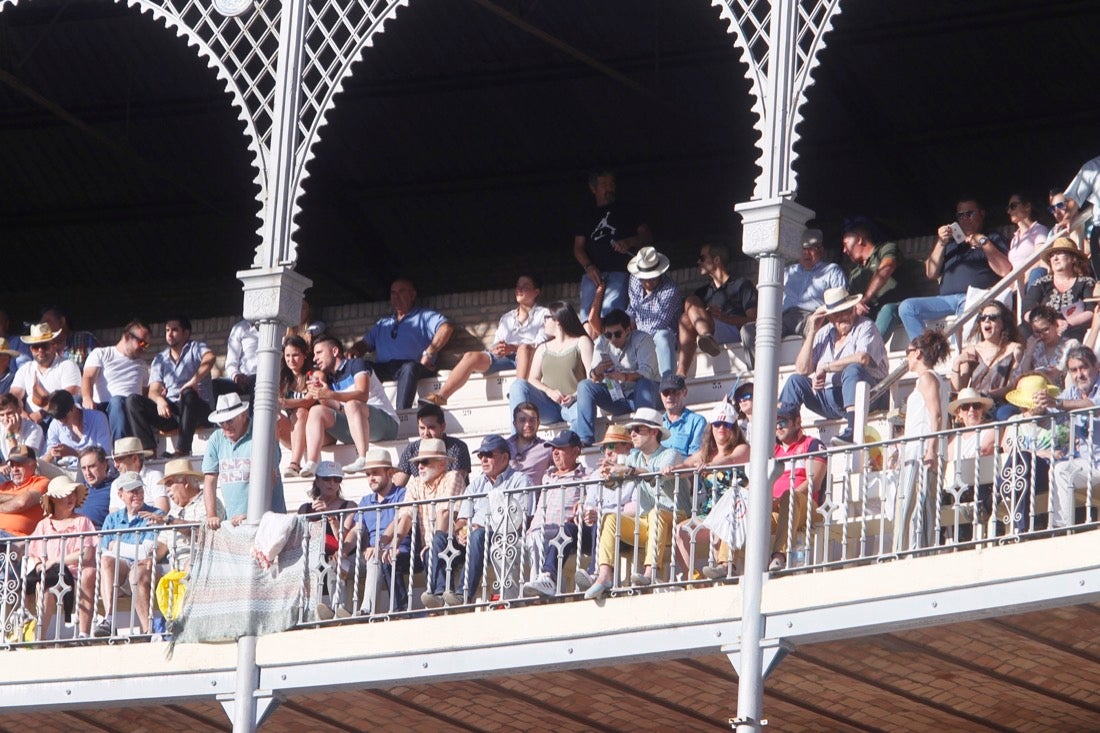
430, 448
970, 396
649, 418
647, 264
179, 467
837, 300
129, 447
379, 458
41, 333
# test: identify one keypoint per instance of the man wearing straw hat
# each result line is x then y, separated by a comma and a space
655, 303
840, 349
604, 496
227, 464
46, 372
184, 485
375, 535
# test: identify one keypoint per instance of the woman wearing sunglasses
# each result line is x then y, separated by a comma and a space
1030, 236
724, 446
990, 363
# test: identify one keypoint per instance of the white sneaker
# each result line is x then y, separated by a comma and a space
583, 580
359, 464
541, 586
308, 469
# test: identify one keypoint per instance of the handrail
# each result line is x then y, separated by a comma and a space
963, 320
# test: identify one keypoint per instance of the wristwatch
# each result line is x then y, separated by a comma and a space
982, 241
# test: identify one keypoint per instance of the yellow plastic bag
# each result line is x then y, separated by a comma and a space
170, 594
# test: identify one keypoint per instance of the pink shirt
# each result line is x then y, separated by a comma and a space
55, 548
795, 477
1026, 244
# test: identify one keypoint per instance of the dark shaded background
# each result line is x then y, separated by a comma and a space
458, 152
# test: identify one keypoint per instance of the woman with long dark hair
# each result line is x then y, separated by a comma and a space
556, 368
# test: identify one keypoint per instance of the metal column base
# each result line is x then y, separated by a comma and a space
772, 650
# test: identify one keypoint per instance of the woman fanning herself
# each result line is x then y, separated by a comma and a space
990, 364
1065, 288
294, 401
723, 445
557, 367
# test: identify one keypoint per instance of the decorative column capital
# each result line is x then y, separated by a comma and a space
773, 226
273, 294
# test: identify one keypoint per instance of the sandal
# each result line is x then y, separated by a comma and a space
292, 470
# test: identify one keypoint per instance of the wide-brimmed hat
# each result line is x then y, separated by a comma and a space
1063, 245
377, 458
647, 417
615, 434
229, 406
647, 264
969, 396
129, 447
6, 349
1026, 387
21, 454
430, 449
812, 238
178, 467
61, 486
837, 300
41, 333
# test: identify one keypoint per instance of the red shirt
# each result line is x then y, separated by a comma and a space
797, 476
23, 522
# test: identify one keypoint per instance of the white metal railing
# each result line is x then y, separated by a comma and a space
1028, 477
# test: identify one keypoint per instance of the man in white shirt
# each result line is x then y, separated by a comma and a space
113, 373
240, 360
46, 372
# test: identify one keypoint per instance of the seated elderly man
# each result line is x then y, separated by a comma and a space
129, 555
431, 423
21, 496
128, 455
407, 343
375, 535
840, 350
624, 377
184, 486
662, 503
492, 517
351, 406
552, 535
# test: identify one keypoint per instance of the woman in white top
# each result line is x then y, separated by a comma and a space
923, 415
519, 333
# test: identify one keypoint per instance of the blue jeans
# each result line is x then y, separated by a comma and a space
475, 564
406, 374
439, 567
553, 547
615, 294
549, 411
916, 312
116, 416
667, 341
886, 318
591, 395
832, 401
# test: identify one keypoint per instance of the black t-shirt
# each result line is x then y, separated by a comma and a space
600, 226
736, 296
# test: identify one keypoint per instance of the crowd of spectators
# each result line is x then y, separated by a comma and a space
92, 414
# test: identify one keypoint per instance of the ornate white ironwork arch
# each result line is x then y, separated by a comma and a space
778, 91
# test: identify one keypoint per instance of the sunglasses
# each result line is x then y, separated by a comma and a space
782, 422
640, 429
971, 406
968, 214
987, 317
39, 347
142, 343
744, 397
722, 425
614, 334
1060, 206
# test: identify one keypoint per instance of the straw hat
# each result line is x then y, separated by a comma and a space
837, 300
41, 333
129, 447
647, 264
378, 458
229, 406
61, 486
1064, 245
430, 449
178, 467
647, 417
1024, 394
6, 349
969, 396
615, 434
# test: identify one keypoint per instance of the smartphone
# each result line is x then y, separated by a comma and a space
957, 233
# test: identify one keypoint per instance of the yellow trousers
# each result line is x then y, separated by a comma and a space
654, 531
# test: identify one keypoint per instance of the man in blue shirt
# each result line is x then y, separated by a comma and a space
131, 555
495, 513
685, 426
180, 391
407, 343
386, 555
98, 475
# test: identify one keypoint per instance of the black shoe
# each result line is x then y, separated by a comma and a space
843, 439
